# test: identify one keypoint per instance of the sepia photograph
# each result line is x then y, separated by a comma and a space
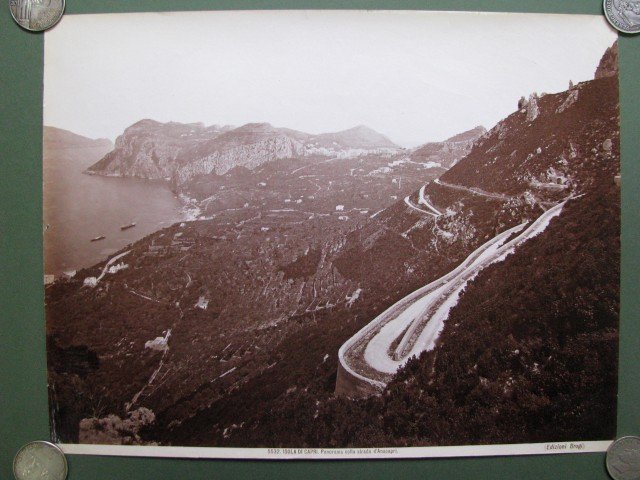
328, 234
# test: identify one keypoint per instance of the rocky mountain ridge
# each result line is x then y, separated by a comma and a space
150, 149
64, 151
60, 138
180, 152
554, 144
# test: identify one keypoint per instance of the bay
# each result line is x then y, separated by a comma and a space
78, 207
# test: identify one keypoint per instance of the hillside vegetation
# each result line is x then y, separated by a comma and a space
528, 355
227, 328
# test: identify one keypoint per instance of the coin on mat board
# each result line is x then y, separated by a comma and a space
623, 15
623, 459
36, 15
40, 460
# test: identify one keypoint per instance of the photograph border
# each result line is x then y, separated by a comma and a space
28, 402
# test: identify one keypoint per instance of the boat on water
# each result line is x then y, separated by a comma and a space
127, 227
99, 237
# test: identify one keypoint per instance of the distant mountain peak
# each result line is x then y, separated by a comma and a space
361, 129
472, 134
447, 153
359, 136
155, 150
146, 122
61, 138
257, 127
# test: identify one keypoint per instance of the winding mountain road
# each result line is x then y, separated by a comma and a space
411, 205
475, 191
105, 269
422, 201
413, 324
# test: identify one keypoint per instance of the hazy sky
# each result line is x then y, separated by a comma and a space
414, 76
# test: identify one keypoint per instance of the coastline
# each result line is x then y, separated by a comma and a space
63, 238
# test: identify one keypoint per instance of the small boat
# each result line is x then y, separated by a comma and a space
127, 227
99, 237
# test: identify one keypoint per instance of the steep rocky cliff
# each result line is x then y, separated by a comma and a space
149, 149
180, 152
608, 66
569, 143
248, 146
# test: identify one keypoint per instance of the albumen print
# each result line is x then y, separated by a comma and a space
328, 234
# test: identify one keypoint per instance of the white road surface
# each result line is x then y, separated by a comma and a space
415, 322
422, 200
410, 204
109, 263
474, 191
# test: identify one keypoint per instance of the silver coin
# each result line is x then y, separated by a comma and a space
36, 15
623, 15
623, 459
40, 460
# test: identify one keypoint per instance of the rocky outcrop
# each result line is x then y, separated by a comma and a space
176, 151
149, 149
532, 108
608, 66
571, 99
113, 430
522, 103
552, 131
249, 156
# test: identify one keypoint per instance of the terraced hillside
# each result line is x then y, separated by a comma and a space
229, 327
